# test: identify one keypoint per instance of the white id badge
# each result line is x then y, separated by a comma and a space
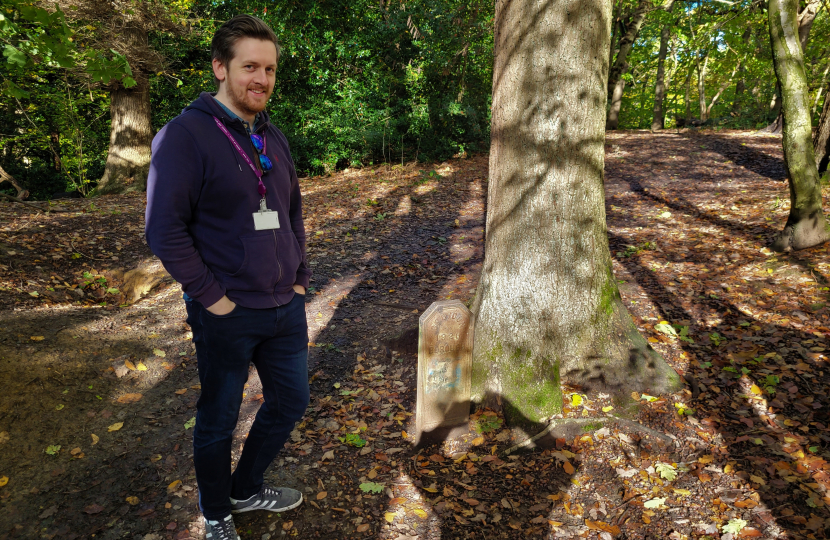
266, 219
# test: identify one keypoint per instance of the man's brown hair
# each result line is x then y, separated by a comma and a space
241, 26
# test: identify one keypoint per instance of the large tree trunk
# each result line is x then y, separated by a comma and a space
805, 23
548, 309
806, 225
131, 133
658, 116
821, 140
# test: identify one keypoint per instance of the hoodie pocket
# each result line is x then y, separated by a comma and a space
260, 268
271, 258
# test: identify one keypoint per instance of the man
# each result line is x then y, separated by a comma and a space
224, 217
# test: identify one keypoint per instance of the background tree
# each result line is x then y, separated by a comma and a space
548, 309
125, 26
658, 116
806, 225
821, 140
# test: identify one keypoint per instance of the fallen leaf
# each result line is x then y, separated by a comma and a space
655, 503
93, 509
181, 391
37, 338
173, 485
478, 441
159, 352
4, 480
363, 528
116, 426
141, 367
132, 501
129, 365
389, 516
568, 467
420, 513
706, 459
130, 398
328, 456
321, 495
95, 439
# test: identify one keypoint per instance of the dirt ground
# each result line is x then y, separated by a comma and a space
98, 397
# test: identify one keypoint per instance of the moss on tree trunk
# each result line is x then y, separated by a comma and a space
548, 309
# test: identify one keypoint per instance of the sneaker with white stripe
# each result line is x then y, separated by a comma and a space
222, 529
270, 499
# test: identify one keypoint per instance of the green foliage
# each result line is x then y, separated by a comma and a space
487, 423
358, 84
371, 487
353, 439
729, 37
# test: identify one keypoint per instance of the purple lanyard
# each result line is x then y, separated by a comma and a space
257, 172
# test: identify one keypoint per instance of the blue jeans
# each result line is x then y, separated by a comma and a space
276, 341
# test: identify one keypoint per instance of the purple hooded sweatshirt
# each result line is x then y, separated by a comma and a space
201, 196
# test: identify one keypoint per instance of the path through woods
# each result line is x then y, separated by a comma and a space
97, 400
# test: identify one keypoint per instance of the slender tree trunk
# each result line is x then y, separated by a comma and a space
821, 87
687, 100
701, 87
821, 141
720, 91
616, 104
658, 118
740, 86
616, 83
805, 23
6, 177
548, 309
131, 133
806, 225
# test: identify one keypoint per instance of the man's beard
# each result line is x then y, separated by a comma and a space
243, 103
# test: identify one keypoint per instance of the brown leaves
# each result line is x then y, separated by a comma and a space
129, 398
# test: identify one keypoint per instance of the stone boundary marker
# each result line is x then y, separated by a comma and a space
445, 355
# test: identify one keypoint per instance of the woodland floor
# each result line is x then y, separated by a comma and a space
96, 399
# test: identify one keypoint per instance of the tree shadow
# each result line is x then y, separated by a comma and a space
760, 163
746, 416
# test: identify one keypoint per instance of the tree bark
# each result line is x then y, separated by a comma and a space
688, 97
6, 177
740, 86
131, 133
616, 104
548, 309
805, 23
821, 141
720, 91
806, 225
701, 87
658, 119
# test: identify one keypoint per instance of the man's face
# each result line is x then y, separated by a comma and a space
249, 77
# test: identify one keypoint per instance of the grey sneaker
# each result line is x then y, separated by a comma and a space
221, 530
270, 499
